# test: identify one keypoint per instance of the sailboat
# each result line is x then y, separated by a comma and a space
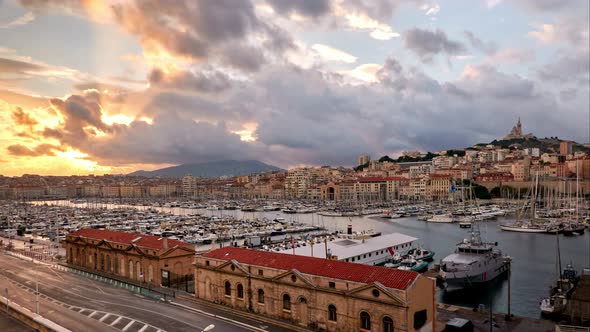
529, 225
556, 303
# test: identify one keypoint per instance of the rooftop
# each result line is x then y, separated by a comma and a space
140, 240
392, 278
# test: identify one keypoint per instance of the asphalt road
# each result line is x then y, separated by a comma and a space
82, 304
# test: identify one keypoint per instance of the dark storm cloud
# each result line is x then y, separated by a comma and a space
310, 8
427, 44
488, 48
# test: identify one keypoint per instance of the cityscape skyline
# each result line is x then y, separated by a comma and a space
117, 86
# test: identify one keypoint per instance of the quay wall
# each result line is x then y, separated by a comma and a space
29, 318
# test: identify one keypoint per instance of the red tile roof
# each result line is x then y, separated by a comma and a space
149, 241
392, 278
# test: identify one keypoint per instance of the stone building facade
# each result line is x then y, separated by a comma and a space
317, 293
137, 257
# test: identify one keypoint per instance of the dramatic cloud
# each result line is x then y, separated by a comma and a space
310, 8
428, 44
204, 81
24, 119
39, 150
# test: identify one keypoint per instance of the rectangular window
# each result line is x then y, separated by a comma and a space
331, 284
207, 263
260, 272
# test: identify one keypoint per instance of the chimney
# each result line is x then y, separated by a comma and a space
165, 243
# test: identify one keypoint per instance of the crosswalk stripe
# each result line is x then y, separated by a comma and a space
128, 326
104, 317
92, 314
116, 320
143, 328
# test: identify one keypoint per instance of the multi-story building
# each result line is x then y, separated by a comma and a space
363, 159
297, 182
316, 293
566, 148
142, 258
189, 185
438, 186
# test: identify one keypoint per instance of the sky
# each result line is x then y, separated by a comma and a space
113, 86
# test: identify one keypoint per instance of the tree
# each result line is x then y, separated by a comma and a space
481, 192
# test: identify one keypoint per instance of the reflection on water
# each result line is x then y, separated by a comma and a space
534, 255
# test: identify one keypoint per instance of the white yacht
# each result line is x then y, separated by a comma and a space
474, 263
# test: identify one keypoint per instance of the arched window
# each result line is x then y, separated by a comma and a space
365, 320
122, 266
332, 312
130, 269
387, 324
286, 302
150, 273
138, 267
71, 256
302, 300
227, 288
240, 291
260, 296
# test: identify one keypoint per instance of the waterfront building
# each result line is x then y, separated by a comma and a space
377, 188
137, 257
317, 293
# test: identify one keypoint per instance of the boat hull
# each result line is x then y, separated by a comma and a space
522, 229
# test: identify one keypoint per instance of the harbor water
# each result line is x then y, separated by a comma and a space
534, 256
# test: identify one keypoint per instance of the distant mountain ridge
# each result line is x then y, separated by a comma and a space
212, 169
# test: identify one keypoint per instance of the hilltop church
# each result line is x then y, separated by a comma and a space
516, 132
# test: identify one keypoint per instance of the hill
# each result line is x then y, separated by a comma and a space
211, 169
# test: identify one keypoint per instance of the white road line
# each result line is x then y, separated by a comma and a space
92, 314
128, 326
116, 321
104, 317
143, 328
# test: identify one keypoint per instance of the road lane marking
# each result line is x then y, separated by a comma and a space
116, 321
143, 328
104, 317
92, 314
128, 326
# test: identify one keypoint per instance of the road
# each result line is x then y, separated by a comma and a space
82, 304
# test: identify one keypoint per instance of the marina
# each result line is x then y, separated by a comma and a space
532, 266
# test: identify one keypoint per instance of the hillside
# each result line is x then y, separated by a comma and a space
211, 169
